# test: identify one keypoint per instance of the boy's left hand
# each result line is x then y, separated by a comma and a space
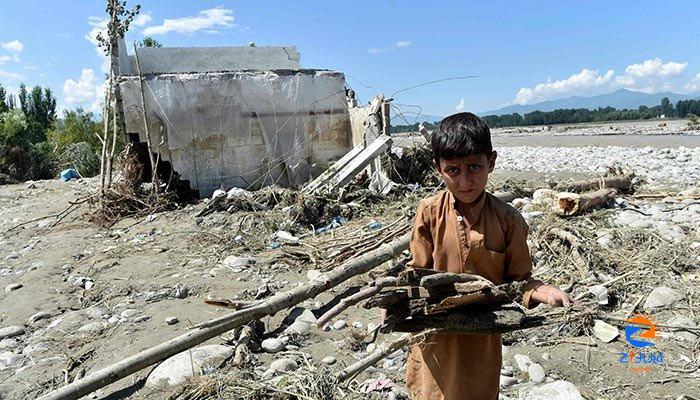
552, 295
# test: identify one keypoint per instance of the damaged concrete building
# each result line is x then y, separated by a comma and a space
239, 116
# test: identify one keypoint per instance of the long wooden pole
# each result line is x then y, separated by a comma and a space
215, 327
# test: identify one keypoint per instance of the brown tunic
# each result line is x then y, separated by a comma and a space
488, 239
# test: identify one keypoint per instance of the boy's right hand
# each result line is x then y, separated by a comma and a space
552, 295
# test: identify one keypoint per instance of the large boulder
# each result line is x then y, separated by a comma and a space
176, 369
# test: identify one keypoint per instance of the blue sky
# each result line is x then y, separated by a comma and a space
522, 51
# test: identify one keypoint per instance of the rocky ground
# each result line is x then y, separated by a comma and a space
75, 297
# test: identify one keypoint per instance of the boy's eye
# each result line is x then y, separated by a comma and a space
452, 170
473, 167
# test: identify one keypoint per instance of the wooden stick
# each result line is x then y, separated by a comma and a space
407, 339
355, 298
217, 326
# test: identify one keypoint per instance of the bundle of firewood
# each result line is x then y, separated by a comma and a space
425, 298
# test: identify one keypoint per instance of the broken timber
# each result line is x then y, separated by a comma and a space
345, 169
217, 326
569, 204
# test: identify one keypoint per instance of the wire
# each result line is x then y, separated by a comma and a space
432, 82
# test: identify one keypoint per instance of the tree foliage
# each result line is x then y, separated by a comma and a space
149, 42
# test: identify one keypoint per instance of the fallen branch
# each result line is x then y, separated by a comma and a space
405, 340
569, 204
215, 327
621, 182
355, 298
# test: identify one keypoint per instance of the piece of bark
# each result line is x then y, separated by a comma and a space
569, 204
446, 278
479, 322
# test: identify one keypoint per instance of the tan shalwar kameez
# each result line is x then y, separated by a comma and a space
488, 239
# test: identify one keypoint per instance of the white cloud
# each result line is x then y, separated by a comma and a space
693, 85
10, 76
205, 20
575, 84
14, 46
30, 67
656, 68
460, 105
86, 92
398, 45
99, 26
650, 76
142, 19
12, 51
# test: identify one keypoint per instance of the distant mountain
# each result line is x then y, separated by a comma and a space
397, 119
620, 99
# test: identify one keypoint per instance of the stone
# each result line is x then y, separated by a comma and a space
314, 275
10, 360
274, 345
358, 325
661, 296
171, 320
371, 348
536, 373
507, 381
239, 262
113, 319
35, 348
284, 365
194, 362
7, 344
389, 364
142, 318
329, 360
95, 312
128, 313
557, 390
286, 237
11, 331
600, 292
181, 292
546, 356
82, 281
12, 287
686, 336
522, 361
38, 317
93, 327
604, 331
340, 324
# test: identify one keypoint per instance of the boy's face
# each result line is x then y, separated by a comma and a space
466, 177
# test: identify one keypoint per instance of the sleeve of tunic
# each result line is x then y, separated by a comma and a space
518, 261
421, 244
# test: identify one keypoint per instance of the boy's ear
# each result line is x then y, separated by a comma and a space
492, 161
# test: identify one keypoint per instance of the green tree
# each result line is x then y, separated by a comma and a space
3, 100
666, 107
149, 42
76, 126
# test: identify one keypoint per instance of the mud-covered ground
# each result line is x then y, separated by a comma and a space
75, 297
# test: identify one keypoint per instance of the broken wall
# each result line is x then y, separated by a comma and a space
245, 129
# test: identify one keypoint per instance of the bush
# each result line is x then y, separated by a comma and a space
82, 157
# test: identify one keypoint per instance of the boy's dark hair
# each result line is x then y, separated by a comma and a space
461, 135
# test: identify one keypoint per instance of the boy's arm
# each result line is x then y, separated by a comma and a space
519, 268
518, 261
421, 244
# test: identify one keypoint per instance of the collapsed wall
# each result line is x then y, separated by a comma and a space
242, 128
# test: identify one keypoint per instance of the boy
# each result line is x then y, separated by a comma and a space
466, 230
